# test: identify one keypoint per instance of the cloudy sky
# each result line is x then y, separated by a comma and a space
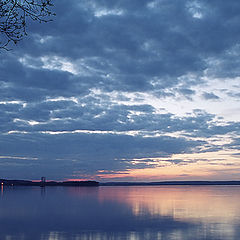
120, 90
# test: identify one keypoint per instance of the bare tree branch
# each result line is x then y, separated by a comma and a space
14, 14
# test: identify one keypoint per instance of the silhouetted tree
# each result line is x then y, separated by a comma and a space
15, 13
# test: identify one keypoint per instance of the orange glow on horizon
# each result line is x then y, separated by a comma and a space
219, 165
77, 179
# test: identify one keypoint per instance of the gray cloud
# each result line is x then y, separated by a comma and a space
85, 153
210, 96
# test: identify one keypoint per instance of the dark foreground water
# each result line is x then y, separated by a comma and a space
133, 213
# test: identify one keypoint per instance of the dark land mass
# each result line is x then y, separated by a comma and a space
95, 183
48, 183
169, 183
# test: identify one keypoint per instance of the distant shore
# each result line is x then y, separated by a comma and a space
6, 182
170, 183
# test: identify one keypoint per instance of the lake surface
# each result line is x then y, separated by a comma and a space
114, 213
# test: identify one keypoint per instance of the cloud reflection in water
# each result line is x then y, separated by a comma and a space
133, 213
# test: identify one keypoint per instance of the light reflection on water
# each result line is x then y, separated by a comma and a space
112, 213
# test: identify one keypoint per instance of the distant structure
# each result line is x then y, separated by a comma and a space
43, 181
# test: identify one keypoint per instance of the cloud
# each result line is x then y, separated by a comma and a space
87, 152
210, 96
113, 80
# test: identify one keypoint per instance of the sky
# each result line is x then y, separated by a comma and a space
119, 90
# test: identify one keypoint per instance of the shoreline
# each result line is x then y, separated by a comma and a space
172, 183
6, 182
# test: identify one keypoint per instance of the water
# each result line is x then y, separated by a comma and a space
114, 213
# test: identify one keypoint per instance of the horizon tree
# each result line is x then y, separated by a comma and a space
14, 15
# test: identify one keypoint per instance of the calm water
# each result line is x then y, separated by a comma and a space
132, 213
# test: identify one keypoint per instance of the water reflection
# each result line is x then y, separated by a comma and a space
198, 203
43, 192
1, 189
132, 213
